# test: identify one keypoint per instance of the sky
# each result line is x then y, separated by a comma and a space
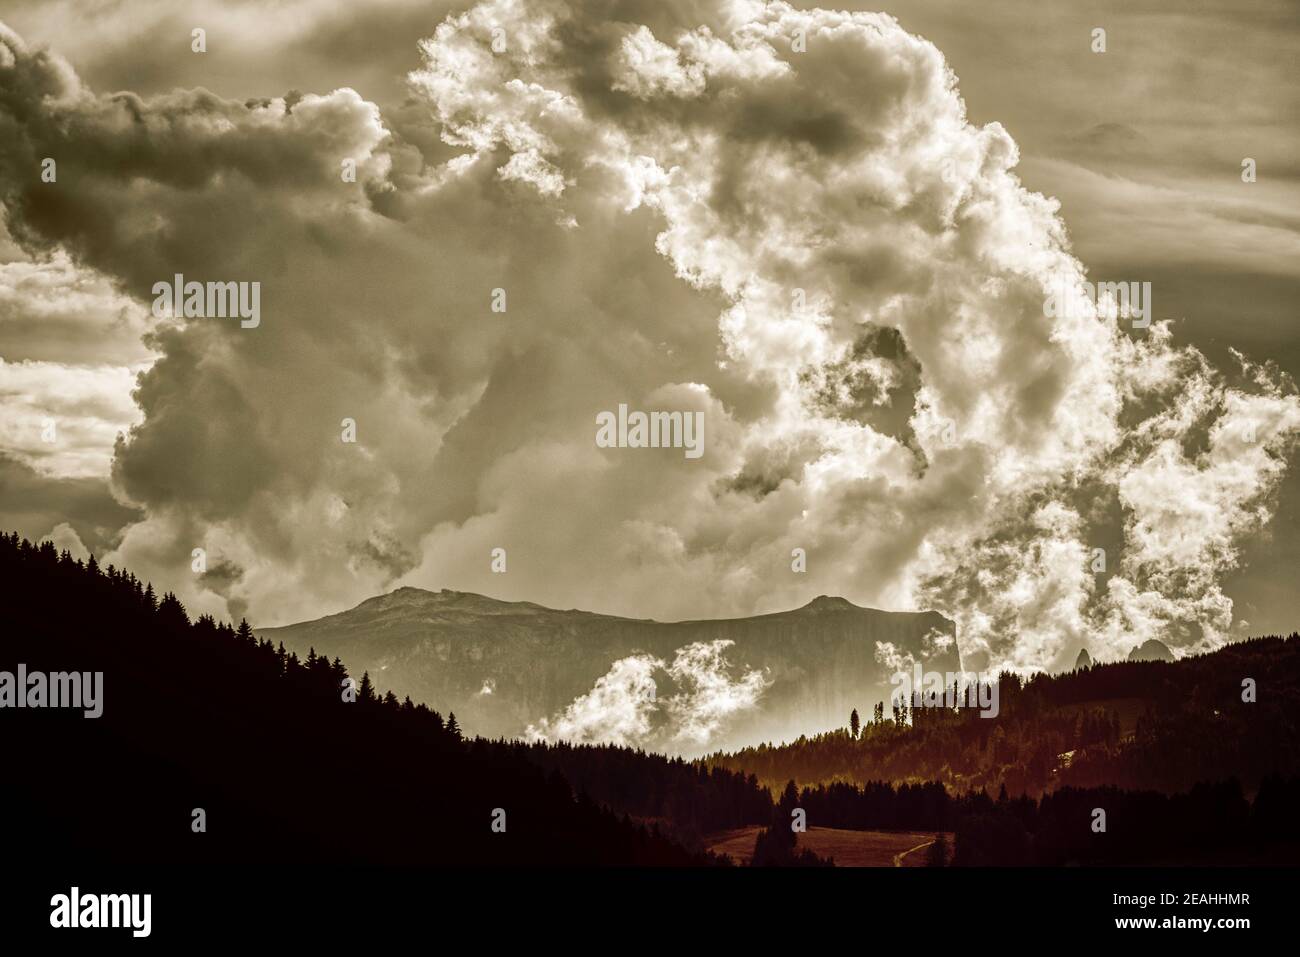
832, 235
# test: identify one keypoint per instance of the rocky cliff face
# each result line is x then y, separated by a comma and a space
1151, 650
503, 666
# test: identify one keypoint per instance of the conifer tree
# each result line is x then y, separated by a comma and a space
366, 690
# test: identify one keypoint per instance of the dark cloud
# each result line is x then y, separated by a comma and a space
35, 504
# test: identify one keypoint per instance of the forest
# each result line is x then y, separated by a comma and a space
199, 715
1148, 725
292, 761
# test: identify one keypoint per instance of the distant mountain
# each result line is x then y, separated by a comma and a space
502, 666
1151, 650
1083, 661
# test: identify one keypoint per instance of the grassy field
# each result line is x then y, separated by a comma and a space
848, 848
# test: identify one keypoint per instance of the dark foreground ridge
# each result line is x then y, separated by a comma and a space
201, 715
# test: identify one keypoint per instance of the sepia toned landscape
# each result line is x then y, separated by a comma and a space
739, 446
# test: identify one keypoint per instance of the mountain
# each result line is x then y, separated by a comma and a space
210, 748
1151, 650
502, 666
1083, 661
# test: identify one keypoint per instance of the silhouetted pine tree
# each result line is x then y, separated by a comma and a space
365, 690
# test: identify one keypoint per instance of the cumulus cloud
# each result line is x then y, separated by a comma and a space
626, 707
816, 250
65, 538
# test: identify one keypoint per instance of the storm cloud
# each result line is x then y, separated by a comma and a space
779, 218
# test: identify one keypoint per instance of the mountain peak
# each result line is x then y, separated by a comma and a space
1151, 650
426, 604
829, 603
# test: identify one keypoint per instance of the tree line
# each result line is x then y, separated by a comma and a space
1155, 725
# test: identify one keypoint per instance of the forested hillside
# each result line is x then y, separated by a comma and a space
200, 715
1155, 725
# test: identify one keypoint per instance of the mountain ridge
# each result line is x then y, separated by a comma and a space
504, 666
819, 604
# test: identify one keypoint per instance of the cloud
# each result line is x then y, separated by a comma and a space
35, 505
816, 250
65, 538
618, 710
64, 419
625, 706
53, 311
253, 45
1215, 222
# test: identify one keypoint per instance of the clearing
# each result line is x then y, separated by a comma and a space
848, 848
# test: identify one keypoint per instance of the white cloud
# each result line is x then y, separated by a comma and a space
64, 419
626, 707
